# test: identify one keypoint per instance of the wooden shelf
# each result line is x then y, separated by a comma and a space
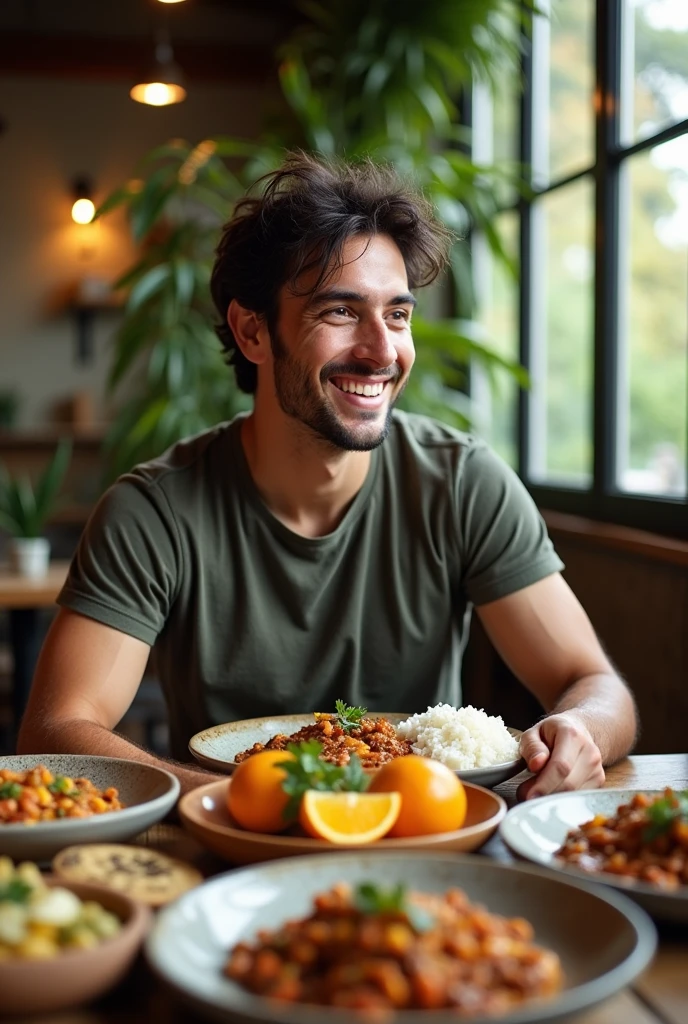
48, 437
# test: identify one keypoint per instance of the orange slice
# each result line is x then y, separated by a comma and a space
348, 818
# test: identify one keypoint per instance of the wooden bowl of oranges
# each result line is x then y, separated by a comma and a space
284, 803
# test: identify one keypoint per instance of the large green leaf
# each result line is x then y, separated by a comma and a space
148, 205
152, 281
50, 482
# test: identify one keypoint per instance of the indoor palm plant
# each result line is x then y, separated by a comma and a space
26, 507
359, 77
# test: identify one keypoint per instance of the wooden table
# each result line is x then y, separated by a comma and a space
23, 599
660, 996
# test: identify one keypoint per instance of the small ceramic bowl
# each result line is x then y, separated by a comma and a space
77, 975
148, 793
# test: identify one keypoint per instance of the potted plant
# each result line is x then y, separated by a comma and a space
25, 508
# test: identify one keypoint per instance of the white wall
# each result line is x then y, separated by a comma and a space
56, 130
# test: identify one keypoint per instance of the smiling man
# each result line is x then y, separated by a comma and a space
326, 545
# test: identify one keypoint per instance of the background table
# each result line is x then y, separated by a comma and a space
660, 996
23, 599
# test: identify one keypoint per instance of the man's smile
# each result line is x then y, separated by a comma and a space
358, 387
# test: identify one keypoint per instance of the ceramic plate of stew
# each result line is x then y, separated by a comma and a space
217, 747
602, 939
536, 829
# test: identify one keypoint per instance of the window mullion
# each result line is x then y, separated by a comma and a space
525, 310
607, 212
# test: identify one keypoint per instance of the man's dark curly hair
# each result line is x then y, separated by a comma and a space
306, 212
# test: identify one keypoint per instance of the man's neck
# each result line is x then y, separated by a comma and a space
306, 484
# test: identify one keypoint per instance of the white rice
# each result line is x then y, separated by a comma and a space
461, 738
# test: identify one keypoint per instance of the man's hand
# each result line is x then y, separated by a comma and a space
546, 639
562, 754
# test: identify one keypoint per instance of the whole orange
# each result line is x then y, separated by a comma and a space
255, 797
433, 798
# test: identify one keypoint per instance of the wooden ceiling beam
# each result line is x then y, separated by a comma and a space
107, 58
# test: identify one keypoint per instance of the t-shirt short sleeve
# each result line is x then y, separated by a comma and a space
126, 568
502, 537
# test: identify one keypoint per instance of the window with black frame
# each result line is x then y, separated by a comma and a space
599, 310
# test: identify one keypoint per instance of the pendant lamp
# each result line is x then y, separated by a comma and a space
164, 83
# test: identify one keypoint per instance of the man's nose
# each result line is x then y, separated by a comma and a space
374, 341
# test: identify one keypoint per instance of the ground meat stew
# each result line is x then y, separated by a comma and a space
39, 795
645, 840
362, 950
374, 740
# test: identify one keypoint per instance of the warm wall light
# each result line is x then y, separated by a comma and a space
171, 1
165, 82
83, 210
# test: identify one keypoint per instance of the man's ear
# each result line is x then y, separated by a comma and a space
250, 331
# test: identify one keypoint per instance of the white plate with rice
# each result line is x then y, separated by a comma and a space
486, 743
479, 747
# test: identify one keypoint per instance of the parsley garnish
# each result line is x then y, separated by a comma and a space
662, 813
61, 786
15, 891
309, 771
11, 791
349, 717
373, 899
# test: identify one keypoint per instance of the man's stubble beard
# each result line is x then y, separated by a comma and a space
298, 398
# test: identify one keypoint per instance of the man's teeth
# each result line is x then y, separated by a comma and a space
368, 390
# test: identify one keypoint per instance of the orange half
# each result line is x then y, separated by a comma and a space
348, 818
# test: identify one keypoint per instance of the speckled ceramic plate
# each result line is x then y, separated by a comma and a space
148, 792
204, 813
603, 939
537, 828
216, 748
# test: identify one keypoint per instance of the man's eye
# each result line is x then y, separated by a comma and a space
400, 314
337, 311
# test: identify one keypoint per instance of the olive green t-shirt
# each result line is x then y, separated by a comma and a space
250, 619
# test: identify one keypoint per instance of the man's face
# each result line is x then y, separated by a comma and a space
342, 355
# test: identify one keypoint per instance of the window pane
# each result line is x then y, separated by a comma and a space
495, 402
496, 122
560, 445
653, 380
563, 89
655, 70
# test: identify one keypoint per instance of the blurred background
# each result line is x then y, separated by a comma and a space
554, 142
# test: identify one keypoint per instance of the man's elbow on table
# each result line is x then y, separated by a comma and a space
44, 730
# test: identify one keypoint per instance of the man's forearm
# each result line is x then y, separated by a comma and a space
77, 736
604, 704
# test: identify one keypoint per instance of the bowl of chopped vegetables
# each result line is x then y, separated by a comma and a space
50, 801
62, 943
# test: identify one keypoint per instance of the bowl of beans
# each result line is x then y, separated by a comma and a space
51, 801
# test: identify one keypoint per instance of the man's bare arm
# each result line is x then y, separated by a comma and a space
547, 640
86, 679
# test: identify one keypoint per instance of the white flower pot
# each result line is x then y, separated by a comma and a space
29, 556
